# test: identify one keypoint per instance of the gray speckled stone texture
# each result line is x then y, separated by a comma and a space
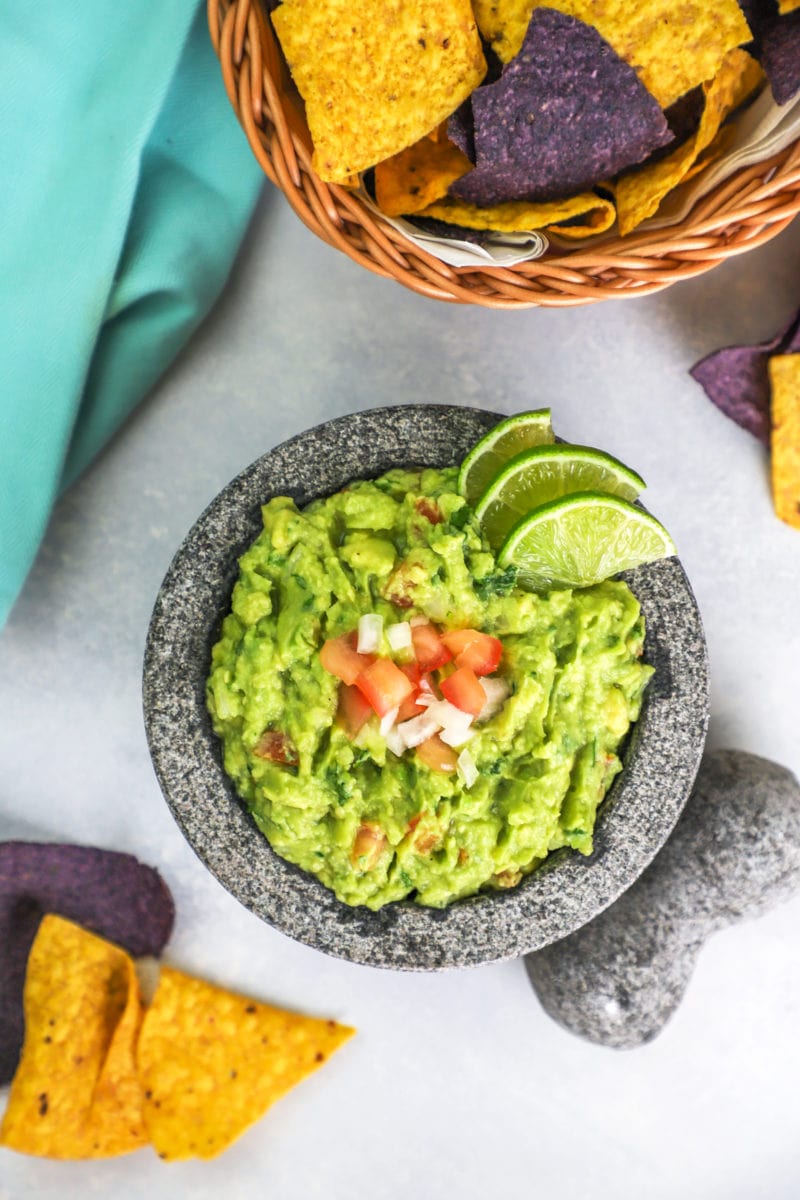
661, 758
734, 853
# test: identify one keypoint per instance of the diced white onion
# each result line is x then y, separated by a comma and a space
455, 724
466, 768
417, 730
497, 692
399, 635
448, 714
424, 686
388, 721
394, 741
418, 620
456, 735
423, 699
370, 632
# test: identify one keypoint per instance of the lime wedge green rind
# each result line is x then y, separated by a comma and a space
500, 444
582, 539
545, 473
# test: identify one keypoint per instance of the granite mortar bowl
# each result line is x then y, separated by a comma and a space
660, 760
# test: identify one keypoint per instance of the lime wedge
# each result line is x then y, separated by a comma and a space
545, 473
492, 452
582, 539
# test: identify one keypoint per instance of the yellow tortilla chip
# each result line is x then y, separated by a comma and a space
377, 78
639, 192
439, 134
212, 1062
784, 377
76, 1093
787, 6
519, 216
414, 178
673, 46
597, 219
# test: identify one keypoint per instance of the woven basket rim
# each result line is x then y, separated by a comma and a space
748, 209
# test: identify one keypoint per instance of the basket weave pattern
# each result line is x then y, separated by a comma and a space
746, 210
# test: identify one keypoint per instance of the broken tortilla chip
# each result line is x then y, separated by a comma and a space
212, 1062
673, 47
414, 178
76, 1094
787, 6
377, 78
518, 216
108, 893
639, 193
784, 377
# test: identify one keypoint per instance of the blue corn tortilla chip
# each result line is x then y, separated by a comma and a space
444, 229
461, 129
566, 113
736, 379
779, 55
111, 894
776, 45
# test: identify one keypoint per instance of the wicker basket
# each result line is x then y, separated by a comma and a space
746, 210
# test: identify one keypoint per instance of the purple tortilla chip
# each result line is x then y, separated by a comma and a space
566, 113
109, 893
736, 379
776, 45
461, 129
443, 229
780, 56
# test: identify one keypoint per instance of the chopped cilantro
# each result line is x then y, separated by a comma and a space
498, 584
339, 785
459, 518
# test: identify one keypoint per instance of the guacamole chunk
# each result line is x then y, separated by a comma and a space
378, 825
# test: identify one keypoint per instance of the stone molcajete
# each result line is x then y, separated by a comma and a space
661, 758
735, 852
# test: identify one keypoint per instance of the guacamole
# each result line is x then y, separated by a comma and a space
378, 825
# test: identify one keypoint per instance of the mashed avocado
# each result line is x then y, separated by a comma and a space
372, 826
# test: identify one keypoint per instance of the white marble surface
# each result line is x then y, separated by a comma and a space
458, 1085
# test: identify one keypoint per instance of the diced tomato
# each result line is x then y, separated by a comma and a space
464, 689
411, 672
409, 708
384, 685
436, 755
276, 747
426, 839
339, 657
354, 710
429, 648
429, 509
428, 684
479, 651
370, 842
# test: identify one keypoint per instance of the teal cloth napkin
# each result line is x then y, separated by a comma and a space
127, 187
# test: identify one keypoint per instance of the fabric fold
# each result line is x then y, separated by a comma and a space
132, 185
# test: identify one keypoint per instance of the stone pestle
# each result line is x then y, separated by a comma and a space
734, 853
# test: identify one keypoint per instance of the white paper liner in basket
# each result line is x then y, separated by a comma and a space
762, 130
